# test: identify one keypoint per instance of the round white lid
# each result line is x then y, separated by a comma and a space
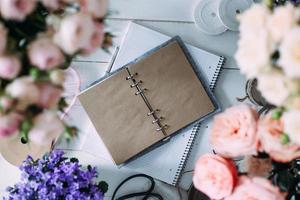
228, 10
207, 18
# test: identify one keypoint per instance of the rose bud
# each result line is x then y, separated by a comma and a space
10, 67
16, 9
44, 54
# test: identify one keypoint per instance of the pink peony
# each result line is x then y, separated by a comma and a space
234, 132
215, 176
9, 124
25, 91
270, 132
49, 96
16, 9
255, 188
3, 38
96, 39
44, 54
10, 67
75, 32
46, 128
95, 7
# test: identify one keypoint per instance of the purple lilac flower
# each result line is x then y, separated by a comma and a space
55, 177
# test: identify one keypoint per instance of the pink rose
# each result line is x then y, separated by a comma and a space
44, 54
95, 7
215, 176
52, 4
16, 9
46, 128
270, 132
9, 124
96, 39
3, 38
234, 132
255, 188
25, 91
49, 96
10, 67
75, 32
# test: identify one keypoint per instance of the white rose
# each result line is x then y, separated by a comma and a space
3, 38
95, 7
290, 53
24, 90
282, 20
291, 123
253, 54
75, 32
46, 128
16, 9
274, 87
254, 19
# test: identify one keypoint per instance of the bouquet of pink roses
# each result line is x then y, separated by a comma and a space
268, 51
38, 39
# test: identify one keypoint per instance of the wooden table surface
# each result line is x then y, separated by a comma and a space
171, 17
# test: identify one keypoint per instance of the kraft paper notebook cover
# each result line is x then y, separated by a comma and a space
124, 106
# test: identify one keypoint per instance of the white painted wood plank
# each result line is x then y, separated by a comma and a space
170, 10
230, 85
224, 44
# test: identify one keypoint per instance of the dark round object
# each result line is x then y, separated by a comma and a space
194, 194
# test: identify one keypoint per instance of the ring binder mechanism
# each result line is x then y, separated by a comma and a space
140, 91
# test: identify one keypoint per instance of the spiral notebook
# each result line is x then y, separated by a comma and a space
143, 104
166, 162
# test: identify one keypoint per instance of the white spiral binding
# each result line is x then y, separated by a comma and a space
196, 128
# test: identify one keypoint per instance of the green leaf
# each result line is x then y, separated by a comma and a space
284, 139
277, 113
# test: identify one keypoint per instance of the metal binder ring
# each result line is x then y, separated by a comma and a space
141, 91
157, 120
162, 128
152, 112
135, 84
131, 76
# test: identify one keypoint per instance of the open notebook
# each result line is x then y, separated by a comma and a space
167, 161
143, 104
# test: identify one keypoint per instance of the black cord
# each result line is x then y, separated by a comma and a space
145, 194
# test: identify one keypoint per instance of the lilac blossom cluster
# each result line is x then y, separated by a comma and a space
56, 177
